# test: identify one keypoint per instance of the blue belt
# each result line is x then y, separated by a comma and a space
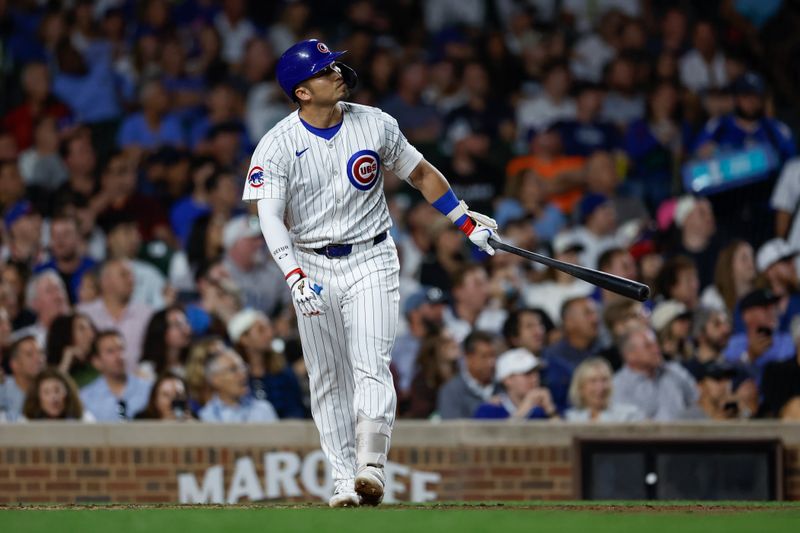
343, 250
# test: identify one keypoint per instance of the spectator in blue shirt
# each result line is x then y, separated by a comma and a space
115, 395
270, 377
762, 342
231, 401
66, 258
152, 127
587, 132
523, 397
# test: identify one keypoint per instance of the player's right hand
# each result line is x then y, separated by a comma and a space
307, 296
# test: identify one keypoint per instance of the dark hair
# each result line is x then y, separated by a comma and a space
668, 276
428, 360
470, 343
569, 302
511, 325
102, 334
463, 272
154, 346
607, 257
151, 411
13, 350
32, 408
723, 273
59, 336
617, 311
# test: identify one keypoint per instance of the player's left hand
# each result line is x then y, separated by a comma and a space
306, 295
485, 228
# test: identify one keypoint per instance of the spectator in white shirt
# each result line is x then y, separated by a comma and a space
231, 401
552, 105
703, 66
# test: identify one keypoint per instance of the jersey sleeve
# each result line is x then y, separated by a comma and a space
786, 194
399, 156
268, 174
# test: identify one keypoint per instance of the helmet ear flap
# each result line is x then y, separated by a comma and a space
348, 75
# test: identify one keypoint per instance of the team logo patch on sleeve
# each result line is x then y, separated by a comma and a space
322, 47
256, 177
363, 169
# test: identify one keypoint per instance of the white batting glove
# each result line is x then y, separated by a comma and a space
307, 295
484, 229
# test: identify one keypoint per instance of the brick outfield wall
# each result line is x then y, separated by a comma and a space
475, 461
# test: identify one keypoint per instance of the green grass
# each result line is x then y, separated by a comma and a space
581, 517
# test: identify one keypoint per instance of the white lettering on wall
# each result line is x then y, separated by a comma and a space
213, 487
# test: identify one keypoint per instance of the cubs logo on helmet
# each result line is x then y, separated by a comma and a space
322, 47
363, 169
256, 177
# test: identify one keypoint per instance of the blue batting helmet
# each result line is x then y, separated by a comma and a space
305, 59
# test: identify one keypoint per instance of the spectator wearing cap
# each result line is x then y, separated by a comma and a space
703, 66
424, 312
598, 227
25, 360
678, 280
270, 378
114, 309
662, 391
471, 309
672, 322
66, 254
474, 383
116, 394
716, 400
123, 241
258, 277
781, 382
586, 132
761, 342
775, 262
153, 126
745, 212
697, 236
231, 400
734, 276
590, 395
523, 397
558, 287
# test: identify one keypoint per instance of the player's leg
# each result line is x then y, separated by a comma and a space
371, 313
331, 381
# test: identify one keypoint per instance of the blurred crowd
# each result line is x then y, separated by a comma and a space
649, 139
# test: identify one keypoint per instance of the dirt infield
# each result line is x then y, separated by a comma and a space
623, 507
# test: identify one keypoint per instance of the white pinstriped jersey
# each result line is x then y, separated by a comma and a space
333, 189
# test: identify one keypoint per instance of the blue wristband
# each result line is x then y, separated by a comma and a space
446, 203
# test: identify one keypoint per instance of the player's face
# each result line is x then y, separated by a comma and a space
326, 87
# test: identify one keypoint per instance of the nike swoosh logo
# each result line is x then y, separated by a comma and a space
301, 152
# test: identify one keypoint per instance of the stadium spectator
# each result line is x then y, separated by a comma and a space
525, 198
69, 345
734, 276
661, 390
594, 49
775, 262
624, 103
471, 309
597, 231
552, 105
703, 67
47, 297
166, 343
436, 364
153, 126
25, 361
474, 383
113, 309
54, 396
419, 120
235, 29
522, 397
424, 312
619, 318
590, 395
270, 378
80, 158
781, 382
231, 401
124, 242
697, 236
761, 342
23, 229
13, 288
38, 103
256, 275
40, 165
672, 322
115, 395
711, 332
602, 179
587, 133
444, 258
524, 328
678, 280
66, 252
168, 400
12, 194
785, 201
619, 262
198, 388
716, 400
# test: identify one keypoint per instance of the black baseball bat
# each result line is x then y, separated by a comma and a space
624, 286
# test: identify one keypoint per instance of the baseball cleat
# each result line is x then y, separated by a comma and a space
344, 495
369, 484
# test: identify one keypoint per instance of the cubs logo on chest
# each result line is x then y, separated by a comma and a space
256, 177
363, 169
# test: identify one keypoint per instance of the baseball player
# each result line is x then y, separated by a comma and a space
317, 178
